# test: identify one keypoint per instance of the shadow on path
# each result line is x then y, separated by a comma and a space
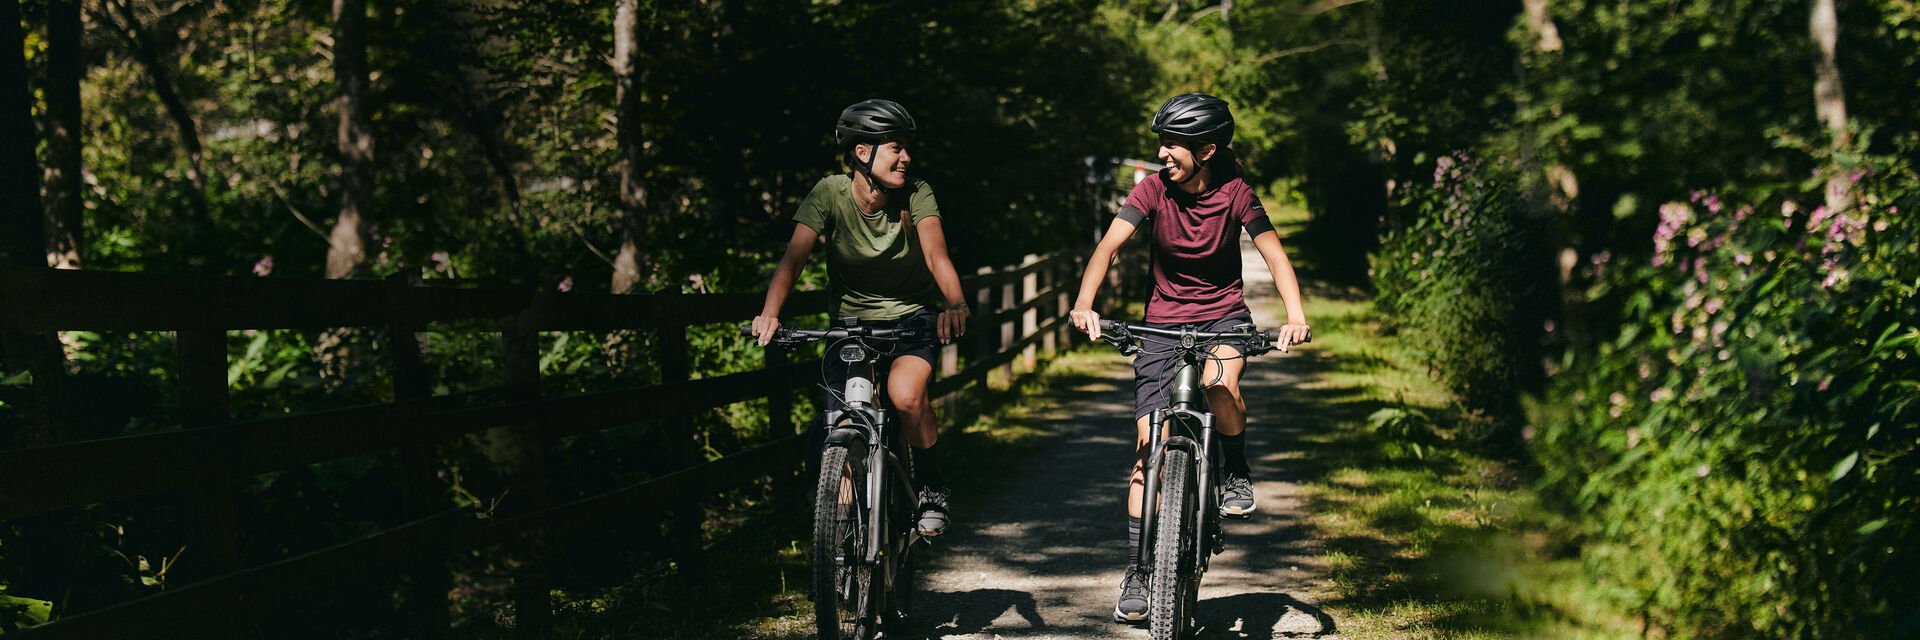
1262, 616
969, 612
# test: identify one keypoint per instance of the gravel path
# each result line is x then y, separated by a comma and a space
1043, 557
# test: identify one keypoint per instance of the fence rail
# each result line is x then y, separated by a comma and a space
1020, 310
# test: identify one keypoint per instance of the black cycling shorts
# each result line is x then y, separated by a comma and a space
1153, 369
836, 371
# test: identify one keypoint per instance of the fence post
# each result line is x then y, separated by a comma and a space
1063, 300
423, 494
202, 383
788, 487
987, 326
1050, 282
1029, 319
534, 586
1006, 300
676, 366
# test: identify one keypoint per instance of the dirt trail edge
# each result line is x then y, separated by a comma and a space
1043, 557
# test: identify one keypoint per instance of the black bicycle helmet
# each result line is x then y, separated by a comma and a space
1195, 116
873, 121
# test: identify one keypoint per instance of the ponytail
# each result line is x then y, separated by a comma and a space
1225, 164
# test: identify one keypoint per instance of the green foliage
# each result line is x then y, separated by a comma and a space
1744, 453
1462, 284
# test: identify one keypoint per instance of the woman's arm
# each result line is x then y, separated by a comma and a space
799, 248
1295, 331
1083, 316
933, 244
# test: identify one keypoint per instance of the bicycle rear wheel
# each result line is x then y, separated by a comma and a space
842, 581
1170, 602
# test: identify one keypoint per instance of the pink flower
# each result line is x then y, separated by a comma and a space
1702, 471
263, 267
1819, 215
565, 285
441, 261
1633, 437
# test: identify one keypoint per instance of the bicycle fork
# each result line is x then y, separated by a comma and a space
1190, 410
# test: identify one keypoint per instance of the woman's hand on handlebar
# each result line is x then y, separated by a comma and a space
953, 322
1086, 320
1293, 333
764, 327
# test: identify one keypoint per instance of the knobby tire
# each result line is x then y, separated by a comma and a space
1172, 541
842, 583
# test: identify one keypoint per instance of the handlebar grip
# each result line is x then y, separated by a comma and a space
746, 330
1113, 326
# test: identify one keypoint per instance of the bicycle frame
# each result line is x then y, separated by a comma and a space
866, 420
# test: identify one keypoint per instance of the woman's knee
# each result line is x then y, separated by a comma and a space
908, 398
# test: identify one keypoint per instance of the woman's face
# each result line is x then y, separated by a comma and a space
1182, 157
890, 160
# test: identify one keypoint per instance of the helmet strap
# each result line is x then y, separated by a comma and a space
866, 168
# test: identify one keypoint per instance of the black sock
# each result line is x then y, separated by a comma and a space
926, 468
1133, 543
1235, 448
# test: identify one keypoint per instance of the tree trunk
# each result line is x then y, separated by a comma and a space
23, 243
148, 55
346, 250
1546, 36
65, 67
726, 187
1829, 98
633, 194
24, 240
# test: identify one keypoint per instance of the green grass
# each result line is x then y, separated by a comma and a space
1424, 536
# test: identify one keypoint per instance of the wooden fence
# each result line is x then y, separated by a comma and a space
1020, 309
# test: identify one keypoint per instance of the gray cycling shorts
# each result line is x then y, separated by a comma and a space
1153, 369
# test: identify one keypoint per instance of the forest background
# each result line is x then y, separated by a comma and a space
1655, 250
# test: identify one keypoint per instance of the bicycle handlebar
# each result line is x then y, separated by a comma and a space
790, 336
1121, 334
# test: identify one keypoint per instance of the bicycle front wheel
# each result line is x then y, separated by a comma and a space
842, 580
1174, 534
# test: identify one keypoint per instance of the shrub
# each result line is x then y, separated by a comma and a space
1744, 453
1461, 280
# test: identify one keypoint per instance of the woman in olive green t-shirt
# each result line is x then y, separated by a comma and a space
886, 264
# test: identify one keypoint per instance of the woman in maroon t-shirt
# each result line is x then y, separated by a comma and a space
1197, 206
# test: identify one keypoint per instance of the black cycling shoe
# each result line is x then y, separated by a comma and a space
933, 512
1132, 606
1237, 501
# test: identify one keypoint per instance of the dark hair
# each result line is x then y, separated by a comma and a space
1225, 164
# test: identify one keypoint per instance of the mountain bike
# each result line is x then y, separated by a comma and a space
864, 504
1181, 529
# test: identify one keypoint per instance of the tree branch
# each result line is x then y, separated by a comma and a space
1323, 6
1283, 53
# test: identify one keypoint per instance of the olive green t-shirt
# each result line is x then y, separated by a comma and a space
874, 263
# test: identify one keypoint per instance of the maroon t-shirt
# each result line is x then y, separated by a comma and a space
1196, 246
